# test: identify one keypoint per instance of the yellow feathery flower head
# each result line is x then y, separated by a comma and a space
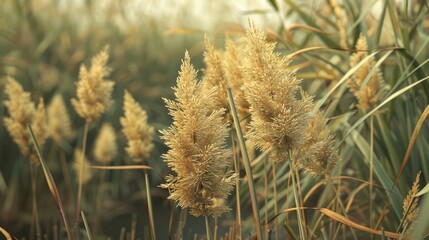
93, 90
135, 128
278, 119
105, 144
59, 125
232, 65
77, 163
318, 155
411, 209
214, 76
198, 153
39, 127
376, 89
21, 111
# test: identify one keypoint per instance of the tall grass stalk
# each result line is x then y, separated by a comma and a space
371, 167
51, 183
296, 197
88, 232
246, 160
275, 199
34, 201
81, 169
237, 190
149, 206
206, 218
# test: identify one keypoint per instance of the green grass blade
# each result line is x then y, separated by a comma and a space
51, 183
88, 233
247, 166
381, 173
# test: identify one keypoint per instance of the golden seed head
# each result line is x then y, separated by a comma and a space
375, 89
105, 145
136, 129
318, 155
214, 76
77, 163
59, 125
22, 112
198, 153
39, 127
93, 90
411, 204
232, 63
278, 118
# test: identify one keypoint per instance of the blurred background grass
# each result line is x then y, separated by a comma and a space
44, 42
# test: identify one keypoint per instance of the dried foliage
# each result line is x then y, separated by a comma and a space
78, 160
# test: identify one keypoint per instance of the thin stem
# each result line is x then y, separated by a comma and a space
88, 233
295, 195
34, 200
81, 169
371, 167
149, 206
207, 227
275, 199
266, 199
237, 191
51, 183
247, 167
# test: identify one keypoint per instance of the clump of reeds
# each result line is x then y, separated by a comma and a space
375, 89
197, 154
278, 117
22, 112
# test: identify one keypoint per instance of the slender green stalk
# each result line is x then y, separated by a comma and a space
275, 199
51, 183
295, 195
237, 191
81, 168
88, 233
247, 166
149, 206
371, 167
34, 201
207, 227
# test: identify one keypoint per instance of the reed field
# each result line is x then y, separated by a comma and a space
270, 119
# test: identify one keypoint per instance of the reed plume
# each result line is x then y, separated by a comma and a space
135, 128
197, 154
411, 209
105, 145
376, 89
318, 155
39, 127
21, 113
278, 119
232, 63
59, 125
214, 76
81, 166
93, 90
